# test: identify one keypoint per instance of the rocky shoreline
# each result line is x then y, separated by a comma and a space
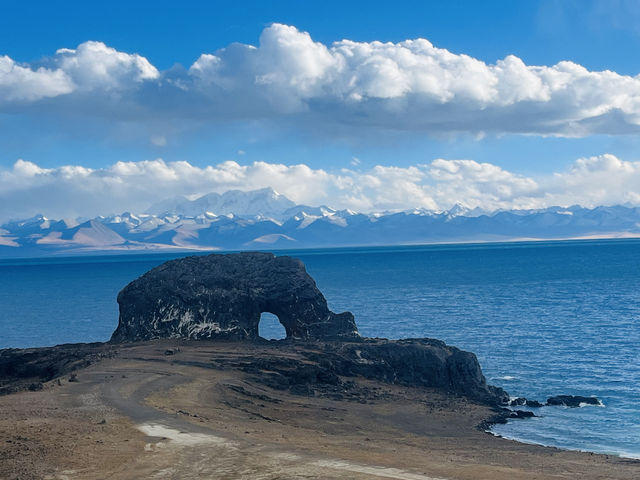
186, 360
221, 296
260, 410
327, 369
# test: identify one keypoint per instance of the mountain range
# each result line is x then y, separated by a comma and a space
265, 219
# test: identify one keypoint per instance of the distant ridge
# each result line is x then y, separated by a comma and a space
265, 219
265, 203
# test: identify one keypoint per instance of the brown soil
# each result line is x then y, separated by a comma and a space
144, 414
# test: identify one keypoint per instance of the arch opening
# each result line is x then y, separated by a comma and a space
270, 327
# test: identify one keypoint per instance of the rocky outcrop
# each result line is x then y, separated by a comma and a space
573, 401
416, 362
222, 296
520, 401
333, 369
22, 369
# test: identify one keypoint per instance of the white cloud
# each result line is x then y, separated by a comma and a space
414, 85
598, 180
411, 85
94, 66
70, 191
90, 67
21, 83
483, 185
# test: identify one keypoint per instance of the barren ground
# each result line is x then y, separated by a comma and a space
144, 414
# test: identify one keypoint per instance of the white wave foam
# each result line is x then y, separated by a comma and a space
584, 404
631, 455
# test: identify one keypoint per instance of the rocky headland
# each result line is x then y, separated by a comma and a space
221, 297
187, 370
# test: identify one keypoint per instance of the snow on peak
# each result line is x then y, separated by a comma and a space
263, 203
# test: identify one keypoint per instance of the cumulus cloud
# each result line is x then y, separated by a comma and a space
411, 85
92, 67
603, 179
21, 83
70, 191
482, 185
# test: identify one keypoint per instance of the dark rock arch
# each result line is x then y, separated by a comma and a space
223, 296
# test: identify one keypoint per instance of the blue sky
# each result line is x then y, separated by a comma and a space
597, 34
279, 107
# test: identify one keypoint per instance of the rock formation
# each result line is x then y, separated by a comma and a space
414, 362
28, 368
573, 401
311, 368
222, 296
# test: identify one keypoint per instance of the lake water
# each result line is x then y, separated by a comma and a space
543, 318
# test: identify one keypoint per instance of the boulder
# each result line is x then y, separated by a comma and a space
573, 401
222, 296
520, 401
521, 414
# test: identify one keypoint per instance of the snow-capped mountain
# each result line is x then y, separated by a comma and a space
264, 219
263, 203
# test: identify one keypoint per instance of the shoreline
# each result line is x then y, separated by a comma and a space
486, 425
181, 251
524, 442
206, 390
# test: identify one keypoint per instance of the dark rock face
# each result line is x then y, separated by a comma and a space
22, 369
573, 401
423, 362
520, 401
333, 368
222, 297
520, 414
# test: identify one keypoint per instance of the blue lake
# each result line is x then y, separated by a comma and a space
544, 318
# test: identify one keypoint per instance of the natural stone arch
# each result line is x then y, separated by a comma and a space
270, 327
223, 296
